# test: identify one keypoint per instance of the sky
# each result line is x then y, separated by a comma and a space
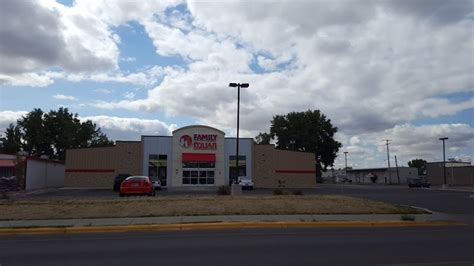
398, 70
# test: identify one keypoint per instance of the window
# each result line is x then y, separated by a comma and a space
233, 167
198, 173
157, 167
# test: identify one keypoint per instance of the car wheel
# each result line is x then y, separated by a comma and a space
121, 194
251, 188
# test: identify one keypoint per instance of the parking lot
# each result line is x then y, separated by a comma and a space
445, 201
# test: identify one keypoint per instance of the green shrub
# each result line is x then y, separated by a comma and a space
298, 192
279, 191
223, 190
407, 217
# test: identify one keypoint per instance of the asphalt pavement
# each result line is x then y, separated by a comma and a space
354, 246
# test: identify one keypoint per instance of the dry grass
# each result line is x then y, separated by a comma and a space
190, 206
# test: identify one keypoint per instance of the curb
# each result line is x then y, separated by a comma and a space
223, 225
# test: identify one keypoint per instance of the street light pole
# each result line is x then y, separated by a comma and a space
345, 157
238, 85
388, 160
444, 159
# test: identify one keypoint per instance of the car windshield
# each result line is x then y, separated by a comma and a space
136, 178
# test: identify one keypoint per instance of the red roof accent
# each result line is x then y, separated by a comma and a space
89, 170
198, 157
7, 163
295, 171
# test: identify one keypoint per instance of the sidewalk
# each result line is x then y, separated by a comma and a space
215, 219
454, 188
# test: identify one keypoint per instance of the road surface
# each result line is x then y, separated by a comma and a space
336, 246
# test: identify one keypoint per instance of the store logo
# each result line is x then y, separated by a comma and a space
185, 141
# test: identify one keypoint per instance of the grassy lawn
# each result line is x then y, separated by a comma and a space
190, 206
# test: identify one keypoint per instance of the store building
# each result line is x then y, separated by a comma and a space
382, 175
457, 173
193, 156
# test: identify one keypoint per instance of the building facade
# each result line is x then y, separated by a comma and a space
382, 175
457, 173
194, 156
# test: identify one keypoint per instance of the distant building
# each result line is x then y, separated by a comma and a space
457, 173
382, 175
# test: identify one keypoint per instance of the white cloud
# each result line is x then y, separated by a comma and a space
373, 68
407, 142
120, 128
7, 117
64, 97
128, 59
129, 95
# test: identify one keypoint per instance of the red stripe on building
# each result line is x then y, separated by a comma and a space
198, 157
7, 163
295, 171
90, 170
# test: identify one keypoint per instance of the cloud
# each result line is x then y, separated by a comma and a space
51, 35
7, 117
128, 59
64, 97
407, 142
129, 95
120, 128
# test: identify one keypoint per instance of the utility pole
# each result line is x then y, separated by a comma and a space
444, 161
388, 161
398, 173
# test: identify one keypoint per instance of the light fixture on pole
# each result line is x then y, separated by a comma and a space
238, 85
444, 159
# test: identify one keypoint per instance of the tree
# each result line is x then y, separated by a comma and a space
309, 131
53, 132
420, 164
11, 143
35, 134
263, 138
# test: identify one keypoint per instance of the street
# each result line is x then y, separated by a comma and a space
355, 246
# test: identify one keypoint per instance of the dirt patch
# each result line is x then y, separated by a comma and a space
191, 206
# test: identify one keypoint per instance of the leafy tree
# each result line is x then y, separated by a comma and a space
420, 164
35, 134
52, 133
309, 131
11, 143
263, 138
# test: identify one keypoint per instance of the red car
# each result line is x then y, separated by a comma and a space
134, 185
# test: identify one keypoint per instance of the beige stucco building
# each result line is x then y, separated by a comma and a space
194, 156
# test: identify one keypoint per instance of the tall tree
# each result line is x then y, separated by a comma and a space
35, 134
11, 143
309, 131
263, 138
420, 164
53, 132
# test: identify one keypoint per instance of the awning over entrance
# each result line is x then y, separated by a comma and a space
199, 157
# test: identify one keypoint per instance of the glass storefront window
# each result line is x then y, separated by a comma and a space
157, 165
198, 173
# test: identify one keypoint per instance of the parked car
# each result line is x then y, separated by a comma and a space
246, 182
346, 180
418, 182
136, 185
156, 182
118, 180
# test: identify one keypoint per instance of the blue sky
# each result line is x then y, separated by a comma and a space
148, 68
